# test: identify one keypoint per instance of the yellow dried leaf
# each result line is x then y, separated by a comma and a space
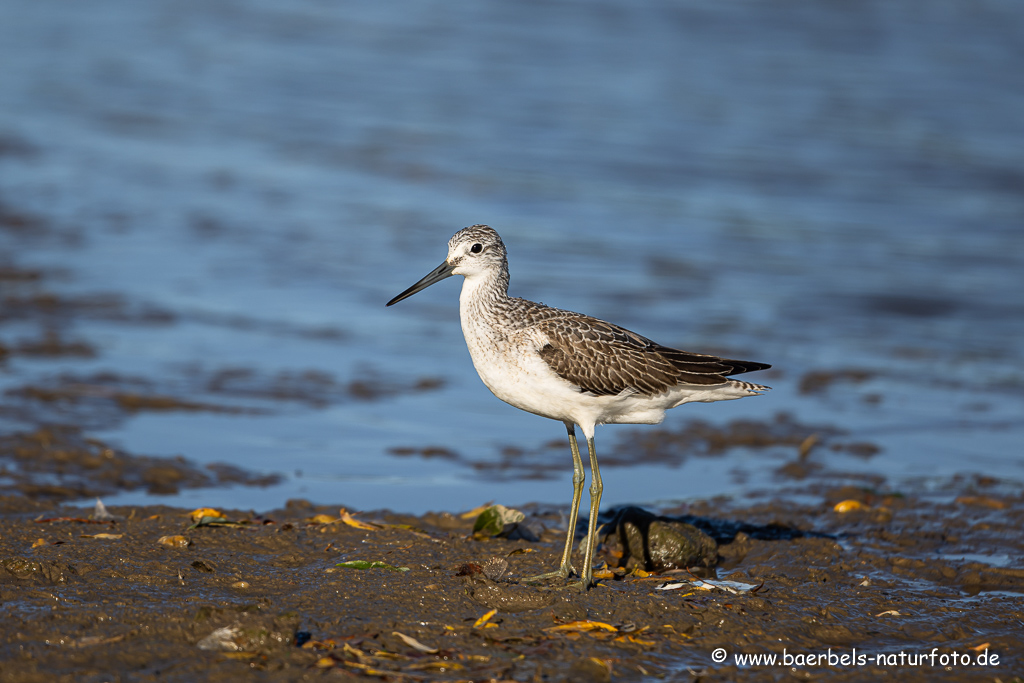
106, 536
355, 652
325, 663
239, 655
641, 573
849, 506
199, 513
979, 648
369, 670
640, 641
39, 542
174, 541
352, 521
475, 512
604, 574
583, 625
600, 635
394, 656
484, 619
322, 519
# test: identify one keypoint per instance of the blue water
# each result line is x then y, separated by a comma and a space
819, 186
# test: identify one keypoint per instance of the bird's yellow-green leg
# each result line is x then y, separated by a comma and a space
596, 487
565, 569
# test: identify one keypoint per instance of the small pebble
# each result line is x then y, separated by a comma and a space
849, 506
174, 541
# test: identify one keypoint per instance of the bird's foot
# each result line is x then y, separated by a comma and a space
563, 572
581, 586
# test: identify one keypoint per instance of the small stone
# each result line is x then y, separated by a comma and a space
845, 506
652, 543
174, 541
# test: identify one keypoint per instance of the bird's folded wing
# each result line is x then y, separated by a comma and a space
605, 359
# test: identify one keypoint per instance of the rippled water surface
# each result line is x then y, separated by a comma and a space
228, 193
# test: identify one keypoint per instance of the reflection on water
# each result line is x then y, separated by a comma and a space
213, 203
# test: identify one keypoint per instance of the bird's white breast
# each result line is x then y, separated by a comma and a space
506, 358
505, 352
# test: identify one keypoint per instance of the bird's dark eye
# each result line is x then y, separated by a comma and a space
477, 248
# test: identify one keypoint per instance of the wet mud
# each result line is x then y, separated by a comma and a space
60, 463
147, 593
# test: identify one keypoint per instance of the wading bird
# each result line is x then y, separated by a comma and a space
571, 367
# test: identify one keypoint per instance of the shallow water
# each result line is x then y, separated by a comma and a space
820, 187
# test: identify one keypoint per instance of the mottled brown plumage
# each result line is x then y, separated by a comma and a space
629, 362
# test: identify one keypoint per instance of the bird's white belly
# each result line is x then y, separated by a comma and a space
515, 373
508, 361
518, 376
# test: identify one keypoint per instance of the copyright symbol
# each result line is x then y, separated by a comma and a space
718, 655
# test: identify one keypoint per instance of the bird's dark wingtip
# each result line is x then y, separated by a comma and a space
741, 366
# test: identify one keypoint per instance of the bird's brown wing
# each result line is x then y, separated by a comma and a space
605, 359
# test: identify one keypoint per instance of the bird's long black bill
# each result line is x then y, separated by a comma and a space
436, 275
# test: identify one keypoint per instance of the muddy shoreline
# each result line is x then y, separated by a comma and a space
148, 595
204, 208
821, 562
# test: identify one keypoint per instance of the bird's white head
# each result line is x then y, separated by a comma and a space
475, 252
